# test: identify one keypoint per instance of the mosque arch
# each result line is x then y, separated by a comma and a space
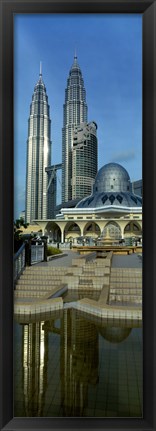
53, 231
72, 230
133, 227
91, 228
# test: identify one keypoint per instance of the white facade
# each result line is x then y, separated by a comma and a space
112, 210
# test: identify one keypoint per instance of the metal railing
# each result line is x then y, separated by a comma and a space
27, 255
37, 253
19, 262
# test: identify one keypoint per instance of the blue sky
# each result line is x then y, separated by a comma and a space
109, 51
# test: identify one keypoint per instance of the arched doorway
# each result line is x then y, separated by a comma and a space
92, 229
54, 232
132, 228
72, 231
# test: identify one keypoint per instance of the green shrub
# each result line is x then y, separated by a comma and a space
52, 251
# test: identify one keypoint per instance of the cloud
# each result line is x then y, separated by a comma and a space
123, 156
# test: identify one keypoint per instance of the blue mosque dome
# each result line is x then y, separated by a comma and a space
112, 187
112, 177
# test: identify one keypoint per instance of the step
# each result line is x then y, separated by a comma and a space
131, 299
125, 278
131, 271
126, 291
54, 291
45, 268
41, 279
88, 287
37, 288
85, 281
89, 273
126, 285
39, 282
30, 294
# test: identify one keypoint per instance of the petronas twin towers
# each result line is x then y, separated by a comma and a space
38, 154
79, 146
74, 112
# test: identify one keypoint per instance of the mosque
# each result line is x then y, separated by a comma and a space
111, 211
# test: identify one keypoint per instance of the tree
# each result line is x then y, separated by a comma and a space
18, 223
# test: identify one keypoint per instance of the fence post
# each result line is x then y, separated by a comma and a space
45, 251
28, 253
19, 263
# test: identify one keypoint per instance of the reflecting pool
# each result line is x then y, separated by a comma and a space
67, 365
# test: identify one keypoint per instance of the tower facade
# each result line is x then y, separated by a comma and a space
84, 159
38, 154
74, 113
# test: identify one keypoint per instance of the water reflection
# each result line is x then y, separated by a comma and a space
70, 366
35, 357
79, 362
113, 334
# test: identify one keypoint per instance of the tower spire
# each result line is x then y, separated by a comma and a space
40, 68
75, 63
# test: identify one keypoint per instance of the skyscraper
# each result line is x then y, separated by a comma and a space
74, 113
84, 159
38, 154
137, 187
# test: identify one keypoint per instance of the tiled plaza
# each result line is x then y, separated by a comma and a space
76, 361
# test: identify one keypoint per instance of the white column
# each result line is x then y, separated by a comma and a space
62, 234
122, 232
81, 228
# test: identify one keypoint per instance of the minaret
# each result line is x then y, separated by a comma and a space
38, 153
74, 113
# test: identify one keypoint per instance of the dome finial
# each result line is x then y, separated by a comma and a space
75, 56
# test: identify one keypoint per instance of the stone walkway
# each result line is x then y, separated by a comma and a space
118, 261
40, 282
61, 260
127, 261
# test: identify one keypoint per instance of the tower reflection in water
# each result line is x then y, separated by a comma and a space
74, 367
35, 357
79, 362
